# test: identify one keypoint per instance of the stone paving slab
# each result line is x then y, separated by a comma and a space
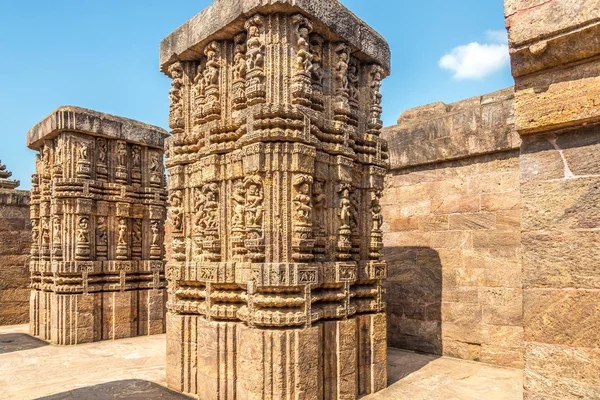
135, 369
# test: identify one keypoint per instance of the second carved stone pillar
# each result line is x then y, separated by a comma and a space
275, 172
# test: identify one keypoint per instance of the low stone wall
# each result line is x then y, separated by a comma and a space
452, 212
15, 243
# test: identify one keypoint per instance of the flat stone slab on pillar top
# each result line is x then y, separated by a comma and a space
98, 205
276, 168
78, 119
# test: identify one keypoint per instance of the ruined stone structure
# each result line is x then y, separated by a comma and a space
276, 172
15, 241
452, 236
555, 53
98, 204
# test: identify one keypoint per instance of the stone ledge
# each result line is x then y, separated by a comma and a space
14, 197
77, 119
187, 41
441, 132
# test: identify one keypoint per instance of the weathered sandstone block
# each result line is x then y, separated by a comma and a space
97, 214
15, 242
275, 170
554, 49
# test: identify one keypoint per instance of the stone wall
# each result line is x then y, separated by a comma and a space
554, 50
452, 237
15, 243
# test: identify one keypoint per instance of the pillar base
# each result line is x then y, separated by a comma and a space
333, 360
69, 319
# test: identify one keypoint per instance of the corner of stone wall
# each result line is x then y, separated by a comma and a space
452, 236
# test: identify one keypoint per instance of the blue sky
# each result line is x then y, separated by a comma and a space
103, 55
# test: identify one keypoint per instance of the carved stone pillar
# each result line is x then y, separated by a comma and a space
98, 198
275, 172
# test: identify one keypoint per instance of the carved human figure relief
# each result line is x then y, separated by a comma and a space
57, 229
211, 207
239, 204
155, 226
239, 58
136, 237
254, 201
176, 121
176, 211
101, 234
136, 157
83, 230
102, 151
345, 206
45, 233
255, 58
122, 154
302, 201
83, 151
122, 232
303, 29
341, 68
317, 71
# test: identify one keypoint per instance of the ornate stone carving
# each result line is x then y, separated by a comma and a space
176, 120
93, 248
275, 243
6, 183
255, 60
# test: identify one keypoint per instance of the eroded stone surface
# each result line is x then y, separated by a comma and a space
97, 215
275, 174
15, 244
554, 47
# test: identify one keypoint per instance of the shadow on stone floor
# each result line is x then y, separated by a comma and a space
11, 342
131, 389
402, 363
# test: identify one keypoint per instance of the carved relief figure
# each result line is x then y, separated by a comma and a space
122, 154
83, 231
319, 199
376, 215
82, 151
345, 206
45, 233
239, 59
211, 207
176, 214
302, 201
376, 77
136, 157
353, 80
303, 57
212, 64
255, 47
254, 200
341, 68
137, 232
317, 71
122, 232
199, 201
102, 151
239, 203
35, 230
155, 233
56, 234
155, 164
200, 81
176, 108
101, 236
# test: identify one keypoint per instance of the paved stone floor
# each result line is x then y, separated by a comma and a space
135, 369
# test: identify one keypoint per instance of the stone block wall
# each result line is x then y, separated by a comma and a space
452, 237
15, 244
554, 51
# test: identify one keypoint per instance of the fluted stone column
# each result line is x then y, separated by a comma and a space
275, 173
98, 205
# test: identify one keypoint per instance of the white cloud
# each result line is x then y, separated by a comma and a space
476, 60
